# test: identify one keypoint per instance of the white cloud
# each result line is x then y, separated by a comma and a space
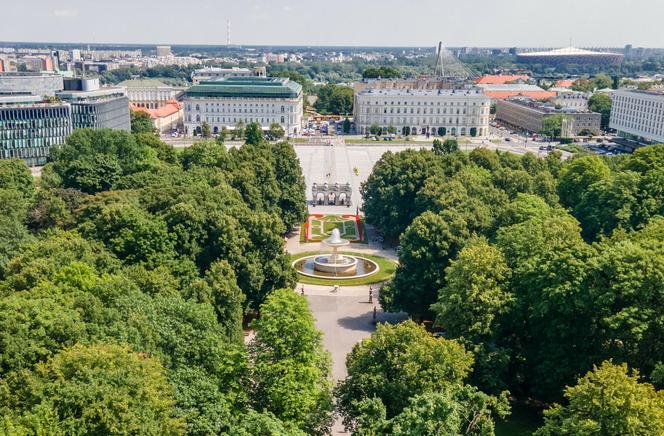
65, 13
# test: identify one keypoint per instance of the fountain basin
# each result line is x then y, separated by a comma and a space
342, 264
360, 267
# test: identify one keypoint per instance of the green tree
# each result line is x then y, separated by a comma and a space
601, 103
265, 423
206, 132
15, 175
389, 192
475, 296
396, 363
238, 132
552, 126
253, 134
129, 393
142, 123
276, 131
381, 72
290, 368
334, 99
427, 246
453, 411
346, 126
610, 401
549, 262
93, 160
375, 129
577, 176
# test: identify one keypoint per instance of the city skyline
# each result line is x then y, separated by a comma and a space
388, 23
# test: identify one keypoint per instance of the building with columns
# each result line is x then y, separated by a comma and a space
149, 93
456, 111
227, 102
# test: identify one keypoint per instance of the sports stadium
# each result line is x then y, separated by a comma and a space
569, 55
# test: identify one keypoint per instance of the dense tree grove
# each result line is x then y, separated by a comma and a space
124, 278
540, 268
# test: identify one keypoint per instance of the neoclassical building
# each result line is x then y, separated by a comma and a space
462, 111
335, 194
226, 102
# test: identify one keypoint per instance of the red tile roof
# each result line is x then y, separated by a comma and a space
170, 108
500, 79
565, 83
537, 95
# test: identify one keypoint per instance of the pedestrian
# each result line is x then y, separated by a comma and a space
374, 315
302, 290
370, 295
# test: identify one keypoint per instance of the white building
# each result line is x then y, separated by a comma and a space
638, 114
149, 93
570, 99
226, 102
462, 112
164, 51
214, 73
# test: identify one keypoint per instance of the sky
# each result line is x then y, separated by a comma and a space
500, 23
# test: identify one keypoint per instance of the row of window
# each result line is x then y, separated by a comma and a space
424, 103
412, 120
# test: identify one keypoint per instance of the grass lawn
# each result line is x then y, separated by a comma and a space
387, 269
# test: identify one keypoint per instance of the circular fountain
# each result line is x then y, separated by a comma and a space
335, 262
335, 265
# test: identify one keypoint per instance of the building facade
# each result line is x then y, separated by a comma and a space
213, 73
227, 102
638, 114
43, 84
29, 127
149, 93
570, 99
422, 111
94, 107
527, 114
167, 118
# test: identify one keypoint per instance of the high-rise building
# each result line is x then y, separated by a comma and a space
30, 127
226, 102
164, 51
638, 115
96, 107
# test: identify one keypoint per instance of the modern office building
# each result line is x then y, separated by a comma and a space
149, 93
225, 102
528, 114
638, 115
45, 84
211, 73
96, 107
422, 110
29, 127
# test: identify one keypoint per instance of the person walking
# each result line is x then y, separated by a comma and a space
370, 295
374, 315
302, 290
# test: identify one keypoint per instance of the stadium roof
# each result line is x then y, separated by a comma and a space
252, 87
567, 51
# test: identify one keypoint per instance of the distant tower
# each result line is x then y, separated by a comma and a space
228, 31
440, 66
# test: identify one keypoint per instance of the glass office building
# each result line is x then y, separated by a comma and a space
29, 127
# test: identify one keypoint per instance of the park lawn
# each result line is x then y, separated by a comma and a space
386, 271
